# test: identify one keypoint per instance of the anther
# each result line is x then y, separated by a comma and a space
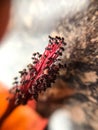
34, 54
15, 78
62, 48
51, 37
58, 38
64, 43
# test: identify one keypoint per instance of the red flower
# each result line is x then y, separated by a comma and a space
38, 77
41, 73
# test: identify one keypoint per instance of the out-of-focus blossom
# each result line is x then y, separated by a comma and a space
4, 16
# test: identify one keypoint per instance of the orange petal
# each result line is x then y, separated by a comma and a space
2, 88
32, 103
24, 118
4, 94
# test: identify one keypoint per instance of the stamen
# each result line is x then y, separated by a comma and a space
39, 75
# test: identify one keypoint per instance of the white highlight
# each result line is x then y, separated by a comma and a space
60, 120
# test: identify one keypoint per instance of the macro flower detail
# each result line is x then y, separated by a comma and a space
41, 73
36, 78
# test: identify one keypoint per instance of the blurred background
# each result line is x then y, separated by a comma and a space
24, 29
